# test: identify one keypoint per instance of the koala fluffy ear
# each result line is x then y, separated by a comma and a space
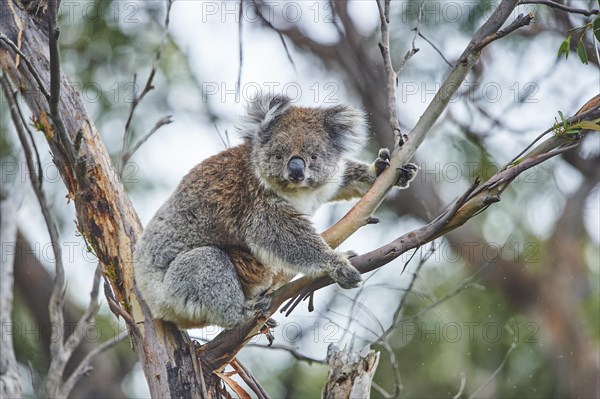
347, 128
262, 112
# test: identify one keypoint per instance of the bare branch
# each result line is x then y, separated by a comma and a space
30, 67
437, 50
58, 361
10, 203
522, 20
463, 383
53, 33
292, 351
92, 309
270, 25
360, 213
85, 365
513, 345
562, 7
409, 54
249, 379
392, 77
165, 120
147, 88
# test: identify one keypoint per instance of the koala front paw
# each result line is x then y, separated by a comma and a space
408, 172
382, 161
346, 275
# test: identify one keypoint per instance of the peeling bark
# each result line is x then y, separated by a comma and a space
350, 373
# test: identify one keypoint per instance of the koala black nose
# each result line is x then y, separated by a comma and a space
296, 167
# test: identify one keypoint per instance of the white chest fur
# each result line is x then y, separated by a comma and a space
308, 201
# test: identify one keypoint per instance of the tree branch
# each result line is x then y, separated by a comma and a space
476, 199
392, 77
148, 87
85, 367
360, 213
59, 357
562, 7
10, 203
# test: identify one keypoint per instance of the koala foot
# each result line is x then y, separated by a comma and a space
346, 276
259, 305
382, 161
408, 172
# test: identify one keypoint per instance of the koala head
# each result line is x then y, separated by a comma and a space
300, 148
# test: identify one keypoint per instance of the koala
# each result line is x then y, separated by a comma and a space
238, 224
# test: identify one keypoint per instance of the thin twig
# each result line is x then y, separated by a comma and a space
380, 389
562, 7
521, 21
463, 383
40, 170
395, 366
30, 67
292, 351
147, 88
392, 77
513, 345
165, 120
437, 50
249, 379
413, 49
56, 304
270, 25
241, 50
85, 367
90, 312
54, 102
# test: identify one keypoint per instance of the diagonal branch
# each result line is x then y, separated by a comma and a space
362, 211
85, 365
476, 199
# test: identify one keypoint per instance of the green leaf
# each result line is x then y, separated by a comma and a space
581, 52
589, 126
596, 26
564, 47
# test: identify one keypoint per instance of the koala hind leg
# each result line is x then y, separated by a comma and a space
202, 288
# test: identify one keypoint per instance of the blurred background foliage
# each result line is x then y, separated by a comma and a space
506, 306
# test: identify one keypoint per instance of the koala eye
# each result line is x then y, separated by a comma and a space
278, 157
313, 156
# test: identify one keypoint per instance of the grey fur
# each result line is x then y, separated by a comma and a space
242, 200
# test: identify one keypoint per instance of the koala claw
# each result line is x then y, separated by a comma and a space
346, 276
382, 161
407, 174
349, 254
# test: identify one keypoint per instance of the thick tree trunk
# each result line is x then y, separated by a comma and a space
105, 215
